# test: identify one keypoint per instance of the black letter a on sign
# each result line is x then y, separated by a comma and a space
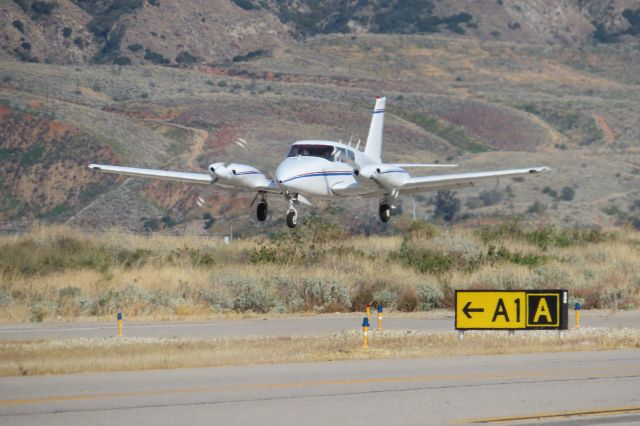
500, 310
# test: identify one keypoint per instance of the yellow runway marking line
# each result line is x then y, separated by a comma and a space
515, 375
560, 414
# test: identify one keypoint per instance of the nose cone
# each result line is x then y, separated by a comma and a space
292, 172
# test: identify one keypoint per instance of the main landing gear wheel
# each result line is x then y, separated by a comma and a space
261, 211
385, 212
292, 218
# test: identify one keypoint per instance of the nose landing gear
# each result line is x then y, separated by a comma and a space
292, 218
292, 214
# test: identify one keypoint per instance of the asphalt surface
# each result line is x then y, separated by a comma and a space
273, 326
564, 388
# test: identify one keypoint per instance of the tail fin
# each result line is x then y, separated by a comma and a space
374, 140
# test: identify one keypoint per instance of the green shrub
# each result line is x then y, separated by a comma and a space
66, 32
132, 300
289, 293
491, 197
122, 60
217, 297
251, 55
41, 311
135, 47
430, 296
106, 14
31, 256
601, 34
41, 8
251, 295
69, 292
321, 294
246, 4
386, 298
186, 58
567, 193
18, 25
24, 5
33, 155
5, 298
447, 206
536, 208
155, 57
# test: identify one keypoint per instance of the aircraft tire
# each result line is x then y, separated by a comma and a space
261, 211
292, 219
385, 212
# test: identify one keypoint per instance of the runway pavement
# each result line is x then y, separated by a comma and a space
563, 388
272, 326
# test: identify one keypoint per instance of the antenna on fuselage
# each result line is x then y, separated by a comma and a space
351, 139
358, 144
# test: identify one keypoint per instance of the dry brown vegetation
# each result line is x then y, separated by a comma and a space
485, 104
61, 273
117, 354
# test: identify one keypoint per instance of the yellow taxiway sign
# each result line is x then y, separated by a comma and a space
511, 310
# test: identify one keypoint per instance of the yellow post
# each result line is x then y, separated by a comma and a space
577, 315
367, 310
365, 332
119, 324
379, 317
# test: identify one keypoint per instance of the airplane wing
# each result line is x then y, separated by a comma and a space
460, 180
238, 176
428, 165
186, 177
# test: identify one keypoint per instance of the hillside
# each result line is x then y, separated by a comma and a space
564, 99
226, 31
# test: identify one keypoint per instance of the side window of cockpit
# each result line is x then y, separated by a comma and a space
342, 155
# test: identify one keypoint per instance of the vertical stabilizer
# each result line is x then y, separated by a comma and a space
374, 140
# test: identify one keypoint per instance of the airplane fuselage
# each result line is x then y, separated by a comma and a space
324, 174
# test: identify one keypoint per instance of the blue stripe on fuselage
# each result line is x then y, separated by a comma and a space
317, 174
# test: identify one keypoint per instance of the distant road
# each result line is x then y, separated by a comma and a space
272, 326
571, 388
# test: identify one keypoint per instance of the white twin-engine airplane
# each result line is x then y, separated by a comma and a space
317, 169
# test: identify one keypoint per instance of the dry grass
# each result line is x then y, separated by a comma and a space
119, 354
59, 273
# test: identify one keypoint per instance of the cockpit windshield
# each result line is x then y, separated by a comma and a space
322, 151
328, 152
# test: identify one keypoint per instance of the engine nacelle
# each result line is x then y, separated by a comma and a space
219, 170
390, 177
237, 175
